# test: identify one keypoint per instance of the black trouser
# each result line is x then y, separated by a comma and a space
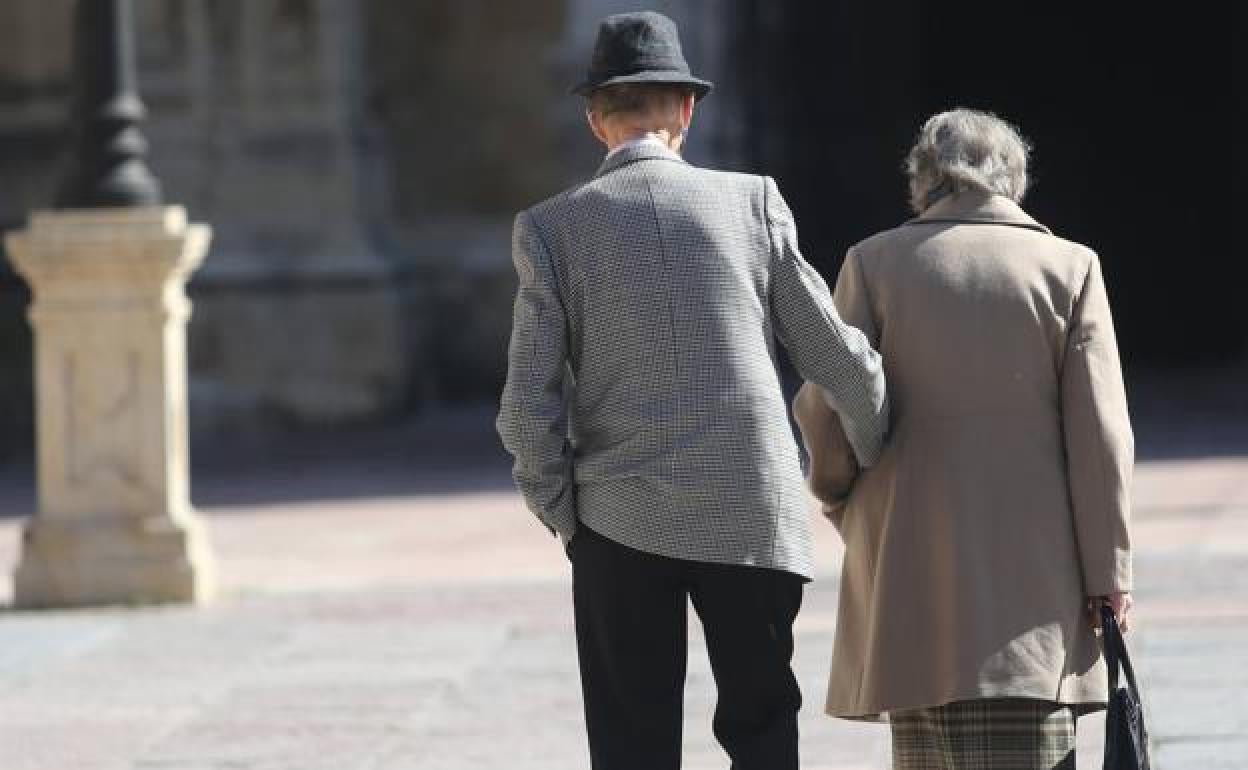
631, 635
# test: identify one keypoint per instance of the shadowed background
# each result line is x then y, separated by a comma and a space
361, 163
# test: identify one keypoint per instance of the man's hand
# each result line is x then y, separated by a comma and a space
1119, 602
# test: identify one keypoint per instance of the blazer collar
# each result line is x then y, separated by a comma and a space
978, 208
634, 153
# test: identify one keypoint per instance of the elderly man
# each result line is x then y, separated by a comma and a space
647, 421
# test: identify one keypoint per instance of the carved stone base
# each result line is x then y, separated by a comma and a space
115, 523
96, 562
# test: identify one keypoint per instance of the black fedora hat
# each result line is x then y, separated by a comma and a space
641, 47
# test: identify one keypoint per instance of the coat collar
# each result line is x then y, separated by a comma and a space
634, 153
978, 208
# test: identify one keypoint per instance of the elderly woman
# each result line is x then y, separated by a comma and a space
998, 513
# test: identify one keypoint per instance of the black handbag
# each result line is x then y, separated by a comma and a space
1126, 739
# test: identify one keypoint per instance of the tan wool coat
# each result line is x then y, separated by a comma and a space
1001, 500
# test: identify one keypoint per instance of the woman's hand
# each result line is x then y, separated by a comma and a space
1120, 602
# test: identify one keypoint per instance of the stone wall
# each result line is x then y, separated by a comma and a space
461, 95
472, 102
255, 128
360, 163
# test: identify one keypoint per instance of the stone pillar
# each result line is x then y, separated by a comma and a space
115, 523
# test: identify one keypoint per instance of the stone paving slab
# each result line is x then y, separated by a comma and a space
356, 679
427, 626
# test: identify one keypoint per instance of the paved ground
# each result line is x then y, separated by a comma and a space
388, 605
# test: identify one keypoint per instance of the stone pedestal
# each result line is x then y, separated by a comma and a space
115, 523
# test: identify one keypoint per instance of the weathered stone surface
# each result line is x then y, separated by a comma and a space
115, 522
463, 92
466, 349
89, 563
316, 354
254, 125
360, 163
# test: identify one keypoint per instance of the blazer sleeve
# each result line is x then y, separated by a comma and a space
533, 413
1099, 442
833, 465
824, 348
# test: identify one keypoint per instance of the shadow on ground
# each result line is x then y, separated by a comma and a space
1182, 415
436, 453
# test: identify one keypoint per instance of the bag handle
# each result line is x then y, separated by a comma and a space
1116, 651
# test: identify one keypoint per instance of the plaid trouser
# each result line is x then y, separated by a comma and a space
986, 734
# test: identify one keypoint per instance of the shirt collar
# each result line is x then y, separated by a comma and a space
644, 148
646, 141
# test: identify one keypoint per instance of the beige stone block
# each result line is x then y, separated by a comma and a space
316, 353
113, 561
115, 523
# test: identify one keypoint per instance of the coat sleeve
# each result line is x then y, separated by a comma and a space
825, 349
833, 466
1099, 442
533, 414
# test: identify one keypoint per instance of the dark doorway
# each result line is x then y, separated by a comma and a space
1137, 117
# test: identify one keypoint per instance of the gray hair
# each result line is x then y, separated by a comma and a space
962, 150
637, 98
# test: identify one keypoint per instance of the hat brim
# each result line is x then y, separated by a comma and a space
699, 86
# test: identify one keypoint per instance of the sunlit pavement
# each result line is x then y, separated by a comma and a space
387, 603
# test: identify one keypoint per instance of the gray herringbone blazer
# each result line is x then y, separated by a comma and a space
642, 395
